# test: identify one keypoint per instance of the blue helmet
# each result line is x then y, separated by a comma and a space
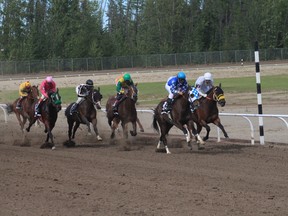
181, 75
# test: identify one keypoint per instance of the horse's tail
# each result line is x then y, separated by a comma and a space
154, 124
9, 108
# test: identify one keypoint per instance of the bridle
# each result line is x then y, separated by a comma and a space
216, 97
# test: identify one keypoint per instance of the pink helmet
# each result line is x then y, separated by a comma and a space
49, 79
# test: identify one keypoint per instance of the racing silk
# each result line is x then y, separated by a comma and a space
175, 86
23, 91
202, 86
46, 87
83, 90
121, 84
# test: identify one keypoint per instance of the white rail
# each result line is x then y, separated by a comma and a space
243, 115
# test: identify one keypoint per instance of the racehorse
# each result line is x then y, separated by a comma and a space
49, 114
181, 117
127, 112
27, 107
86, 114
208, 111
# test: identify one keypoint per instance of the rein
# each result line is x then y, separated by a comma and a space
216, 98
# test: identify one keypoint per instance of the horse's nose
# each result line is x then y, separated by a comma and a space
222, 103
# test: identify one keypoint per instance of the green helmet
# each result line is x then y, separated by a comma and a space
127, 77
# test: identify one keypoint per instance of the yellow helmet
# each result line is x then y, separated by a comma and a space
27, 84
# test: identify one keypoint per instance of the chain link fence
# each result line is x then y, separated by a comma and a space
140, 61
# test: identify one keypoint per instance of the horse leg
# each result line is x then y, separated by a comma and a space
164, 131
77, 124
94, 123
188, 137
207, 127
218, 123
114, 126
50, 135
125, 130
195, 133
70, 127
31, 123
140, 125
134, 131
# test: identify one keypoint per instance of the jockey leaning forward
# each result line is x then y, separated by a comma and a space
47, 87
82, 91
24, 90
204, 84
122, 83
178, 85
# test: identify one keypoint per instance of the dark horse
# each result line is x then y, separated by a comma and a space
208, 111
27, 107
127, 112
49, 115
86, 114
181, 117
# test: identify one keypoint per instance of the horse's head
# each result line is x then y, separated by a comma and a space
34, 93
218, 95
97, 97
132, 92
56, 100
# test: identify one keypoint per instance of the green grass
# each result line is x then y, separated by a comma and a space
152, 93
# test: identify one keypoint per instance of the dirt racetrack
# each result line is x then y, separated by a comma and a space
232, 177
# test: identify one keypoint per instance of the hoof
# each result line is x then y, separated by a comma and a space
132, 133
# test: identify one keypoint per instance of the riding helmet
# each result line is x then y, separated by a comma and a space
27, 84
181, 75
49, 79
89, 82
208, 76
127, 77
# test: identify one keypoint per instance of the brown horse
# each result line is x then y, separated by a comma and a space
86, 114
49, 110
27, 107
181, 117
127, 113
208, 111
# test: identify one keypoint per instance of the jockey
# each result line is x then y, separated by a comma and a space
121, 84
174, 85
204, 84
82, 91
47, 87
194, 95
24, 90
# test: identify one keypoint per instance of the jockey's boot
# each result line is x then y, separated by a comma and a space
18, 105
167, 106
37, 108
74, 108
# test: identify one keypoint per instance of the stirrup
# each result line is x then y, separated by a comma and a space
115, 113
18, 107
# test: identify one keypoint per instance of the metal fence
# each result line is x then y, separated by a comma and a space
140, 61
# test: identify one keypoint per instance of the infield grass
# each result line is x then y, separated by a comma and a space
151, 93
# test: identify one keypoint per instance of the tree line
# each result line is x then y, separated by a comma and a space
48, 29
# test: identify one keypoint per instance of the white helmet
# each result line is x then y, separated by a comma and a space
208, 76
